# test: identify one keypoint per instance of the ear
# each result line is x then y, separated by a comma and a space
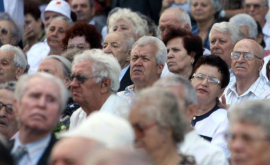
192, 55
15, 107
187, 27
261, 65
67, 82
129, 55
19, 72
160, 68
105, 85
221, 92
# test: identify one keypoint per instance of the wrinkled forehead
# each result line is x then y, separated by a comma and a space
248, 46
5, 54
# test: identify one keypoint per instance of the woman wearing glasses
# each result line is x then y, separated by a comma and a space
210, 77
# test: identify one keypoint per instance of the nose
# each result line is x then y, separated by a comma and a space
138, 62
42, 101
236, 145
3, 112
241, 58
205, 82
107, 50
74, 83
170, 54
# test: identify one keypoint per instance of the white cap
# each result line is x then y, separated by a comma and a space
58, 6
109, 129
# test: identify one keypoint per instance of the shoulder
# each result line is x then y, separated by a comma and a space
220, 115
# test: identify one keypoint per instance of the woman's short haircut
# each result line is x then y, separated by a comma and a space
215, 61
90, 32
217, 6
192, 43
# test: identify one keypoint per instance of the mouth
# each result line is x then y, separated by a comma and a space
202, 90
38, 116
240, 67
3, 123
170, 63
137, 71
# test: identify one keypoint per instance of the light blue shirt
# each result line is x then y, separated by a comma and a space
35, 150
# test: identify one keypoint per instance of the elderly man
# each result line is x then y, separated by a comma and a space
247, 62
94, 80
83, 147
10, 32
248, 136
39, 100
12, 63
204, 152
120, 44
9, 124
148, 56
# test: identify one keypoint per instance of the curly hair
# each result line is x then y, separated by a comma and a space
90, 32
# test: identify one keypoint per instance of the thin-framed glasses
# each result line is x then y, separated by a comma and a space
247, 56
140, 129
201, 77
79, 46
8, 107
255, 6
81, 78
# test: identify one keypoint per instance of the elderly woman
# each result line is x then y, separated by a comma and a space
203, 12
249, 133
223, 36
129, 22
209, 78
159, 125
82, 36
55, 35
184, 49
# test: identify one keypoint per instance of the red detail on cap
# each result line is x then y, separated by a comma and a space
58, 3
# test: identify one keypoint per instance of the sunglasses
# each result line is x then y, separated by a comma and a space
81, 78
8, 107
139, 128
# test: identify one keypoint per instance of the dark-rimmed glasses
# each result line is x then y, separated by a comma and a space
81, 78
8, 107
247, 56
201, 77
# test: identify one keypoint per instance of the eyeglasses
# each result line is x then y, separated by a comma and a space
201, 77
79, 46
8, 107
255, 6
247, 56
4, 31
81, 78
246, 138
140, 128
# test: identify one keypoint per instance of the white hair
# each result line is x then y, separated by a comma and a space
246, 20
183, 16
217, 6
66, 19
103, 65
161, 52
65, 64
230, 29
23, 83
19, 57
139, 25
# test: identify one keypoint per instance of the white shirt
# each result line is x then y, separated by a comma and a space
36, 54
35, 150
263, 71
258, 90
266, 35
114, 104
123, 72
128, 94
204, 152
212, 126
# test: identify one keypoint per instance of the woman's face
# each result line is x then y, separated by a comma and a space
56, 33
125, 27
178, 60
207, 91
202, 10
78, 42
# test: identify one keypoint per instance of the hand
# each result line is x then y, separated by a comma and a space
167, 3
223, 104
28, 33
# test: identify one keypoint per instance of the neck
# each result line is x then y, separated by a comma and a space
29, 136
262, 22
205, 25
124, 65
167, 156
243, 84
89, 108
186, 73
55, 51
141, 85
204, 107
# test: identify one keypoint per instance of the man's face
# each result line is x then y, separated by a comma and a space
48, 16
256, 9
87, 91
125, 26
54, 67
8, 122
7, 68
6, 35
249, 145
114, 44
39, 107
143, 65
221, 45
247, 68
82, 9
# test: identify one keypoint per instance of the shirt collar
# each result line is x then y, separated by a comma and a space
123, 72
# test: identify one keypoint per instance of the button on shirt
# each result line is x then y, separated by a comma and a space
35, 150
258, 90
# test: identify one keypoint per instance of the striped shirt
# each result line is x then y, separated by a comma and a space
258, 90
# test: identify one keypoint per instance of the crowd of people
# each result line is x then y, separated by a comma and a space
134, 82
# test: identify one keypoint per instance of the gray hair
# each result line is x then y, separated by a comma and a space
163, 106
10, 86
127, 40
19, 57
139, 25
230, 29
254, 112
217, 6
103, 65
69, 54
67, 20
65, 64
23, 82
177, 80
161, 53
246, 20
16, 32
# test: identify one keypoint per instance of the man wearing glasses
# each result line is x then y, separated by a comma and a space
8, 122
94, 81
247, 61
